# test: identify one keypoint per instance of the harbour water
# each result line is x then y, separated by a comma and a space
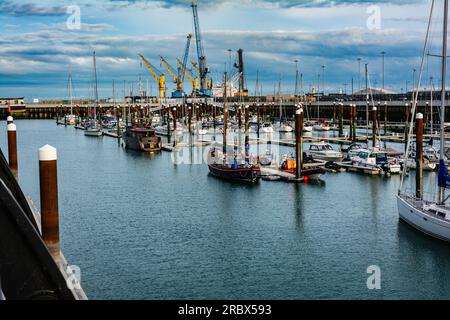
141, 227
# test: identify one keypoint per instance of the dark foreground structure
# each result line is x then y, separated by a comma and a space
27, 269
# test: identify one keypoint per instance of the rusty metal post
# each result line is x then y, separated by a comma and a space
190, 120
49, 200
12, 149
374, 126
350, 135
225, 128
174, 115
419, 156
247, 131
240, 117
385, 117
298, 142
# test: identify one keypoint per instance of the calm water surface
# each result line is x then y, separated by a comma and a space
141, 227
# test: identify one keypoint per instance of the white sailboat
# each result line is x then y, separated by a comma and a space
93, 128
70, 118
430, 216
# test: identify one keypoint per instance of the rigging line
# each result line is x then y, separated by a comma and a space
416, 95
373, 106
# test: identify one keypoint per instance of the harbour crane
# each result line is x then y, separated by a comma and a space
186, 55
193, 81
203, 70
179, 91
195, 65
157, 75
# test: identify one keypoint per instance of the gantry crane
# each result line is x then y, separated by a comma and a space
157, 75
179, 91
203, 70
193, 81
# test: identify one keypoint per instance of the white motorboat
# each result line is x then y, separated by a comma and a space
325, 152
321, 127
267, 128
285, 128
93, 132
376, 159
307, 129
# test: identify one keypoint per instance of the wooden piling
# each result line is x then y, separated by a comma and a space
247, 137
12, 149
385, 117
298, 142
49, 200
341, 120
240, 117
190, 120
350, 134
374, 127
419, 156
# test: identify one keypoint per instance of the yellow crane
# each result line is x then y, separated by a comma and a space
178, 80
157, 75
194, 82
208, 82
195, 65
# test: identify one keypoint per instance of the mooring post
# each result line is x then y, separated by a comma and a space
419, 156
341, 119
247, 137
298, 142
169, 134
374, 126
258, 117
174, 116
350, 135
385, 117
9, 120
334, 114
190, 120
48, 177
225, 127
355, 120
240, 117
12, 149
118, 123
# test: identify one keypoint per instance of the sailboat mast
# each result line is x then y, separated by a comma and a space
70, 93
443, 94
95, 88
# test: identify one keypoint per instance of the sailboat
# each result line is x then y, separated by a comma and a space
222, 166
430, 216
70, 118
93, 128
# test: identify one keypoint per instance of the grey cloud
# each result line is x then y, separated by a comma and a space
30, 9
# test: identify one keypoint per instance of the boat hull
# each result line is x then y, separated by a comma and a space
93, 133
242, 175
422, 221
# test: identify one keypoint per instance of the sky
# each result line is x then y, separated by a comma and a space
40, 43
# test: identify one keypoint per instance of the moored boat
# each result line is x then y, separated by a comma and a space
227, 169
324, 151
141, 139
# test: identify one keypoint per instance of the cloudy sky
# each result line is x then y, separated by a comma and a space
38, 48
